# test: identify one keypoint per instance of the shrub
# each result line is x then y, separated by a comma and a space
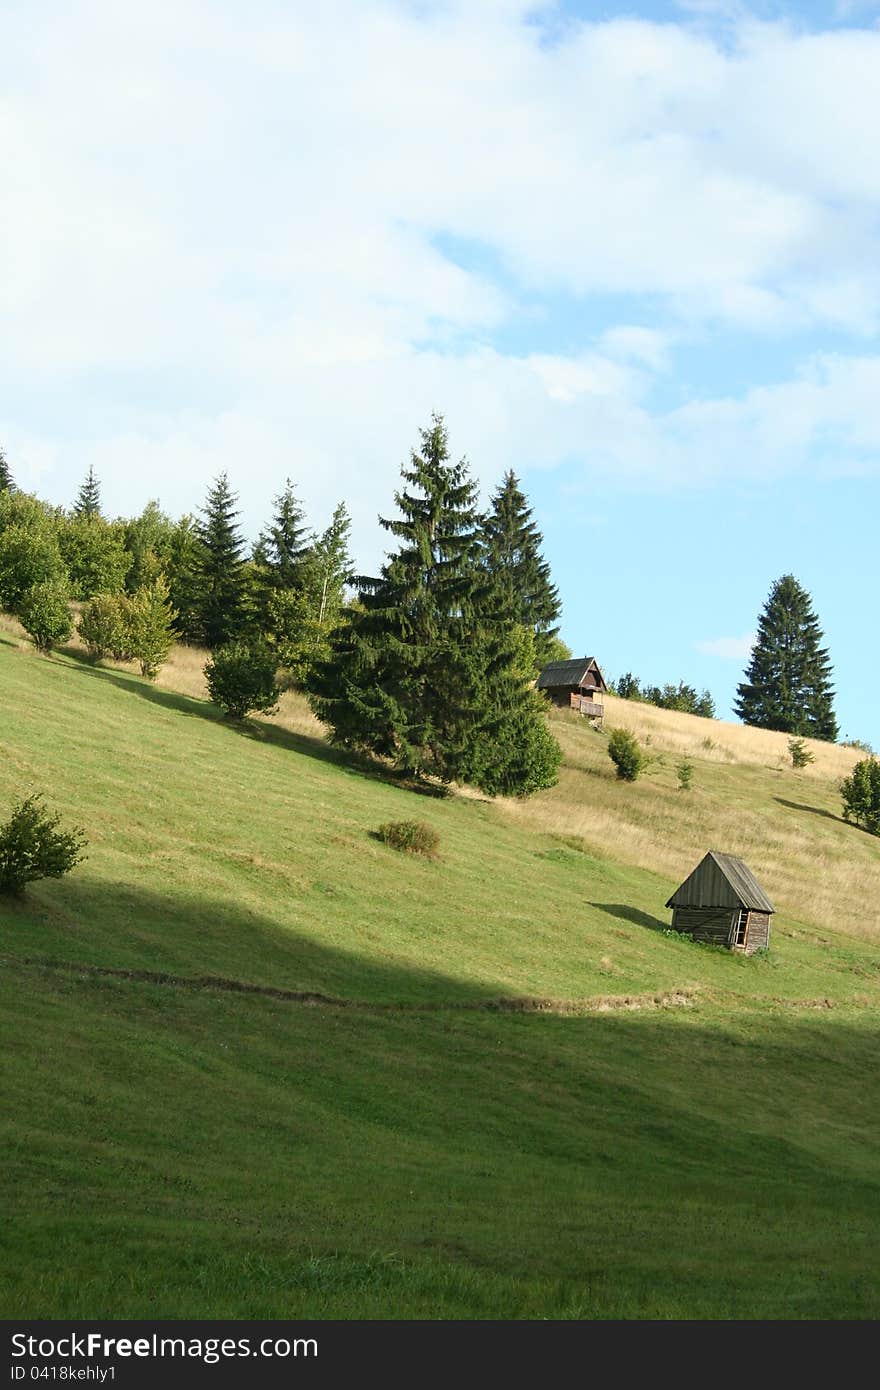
44, 613
861, 795
28, 556
858, 743
241, 679
105, 628
684, 771
151, 626
94, 552
799, 753
411, 836
626, 754
32, 846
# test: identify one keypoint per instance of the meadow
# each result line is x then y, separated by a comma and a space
259, 1064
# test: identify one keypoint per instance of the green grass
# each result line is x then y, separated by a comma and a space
176, 1149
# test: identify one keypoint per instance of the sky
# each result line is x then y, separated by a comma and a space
630, 252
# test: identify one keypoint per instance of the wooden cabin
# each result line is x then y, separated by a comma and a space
723, 903
577, 685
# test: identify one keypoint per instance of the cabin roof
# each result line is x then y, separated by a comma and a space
721, 880
574, 672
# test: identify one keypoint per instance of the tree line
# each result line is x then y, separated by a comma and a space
429, 664
681, 697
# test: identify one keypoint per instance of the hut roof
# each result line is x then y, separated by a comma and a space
561, 673
721, 880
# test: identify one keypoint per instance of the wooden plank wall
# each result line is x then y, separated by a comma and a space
759, 932
712, 924
717, 926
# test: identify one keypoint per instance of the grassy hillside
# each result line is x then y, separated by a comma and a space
491, 1085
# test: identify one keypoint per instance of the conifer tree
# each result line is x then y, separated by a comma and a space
6, 483
88, 500
298, 621
183, 567
220, 576
285, 544
397, 683
513, 551
787, 683
429, 670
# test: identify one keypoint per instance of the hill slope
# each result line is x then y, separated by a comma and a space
508, 1092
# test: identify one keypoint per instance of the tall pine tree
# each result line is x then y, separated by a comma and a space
428, 670
220, 577
299, 621
6, 483
88, 499
787, 683
284, 545
513, 552
396, 683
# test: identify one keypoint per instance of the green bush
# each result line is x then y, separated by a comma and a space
861, 795
44, 613
626, 754
411, 836
241, 679
799, 753
684, 771
151, 626
29, 555
32, 846
104, 627
94, 552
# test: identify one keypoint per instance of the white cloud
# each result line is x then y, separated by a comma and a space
731, 648
221, 231
634, 343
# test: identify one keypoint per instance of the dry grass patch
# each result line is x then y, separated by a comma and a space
716, 741
746, 800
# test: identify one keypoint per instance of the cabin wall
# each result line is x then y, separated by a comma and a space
717, 926
758, 936
711, 924
559, 695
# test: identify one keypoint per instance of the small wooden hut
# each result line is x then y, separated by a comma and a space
723, 903
577, 685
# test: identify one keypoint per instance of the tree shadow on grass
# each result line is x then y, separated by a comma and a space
813, 810
358, 765
195, 941
632, 914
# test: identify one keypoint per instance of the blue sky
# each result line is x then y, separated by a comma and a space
631, 252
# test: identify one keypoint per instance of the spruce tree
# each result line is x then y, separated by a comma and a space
513, 552
787, 683
6, 483
88, 500
183, 568
396, 683
287, 540
220, 577
430, 671
299, 621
